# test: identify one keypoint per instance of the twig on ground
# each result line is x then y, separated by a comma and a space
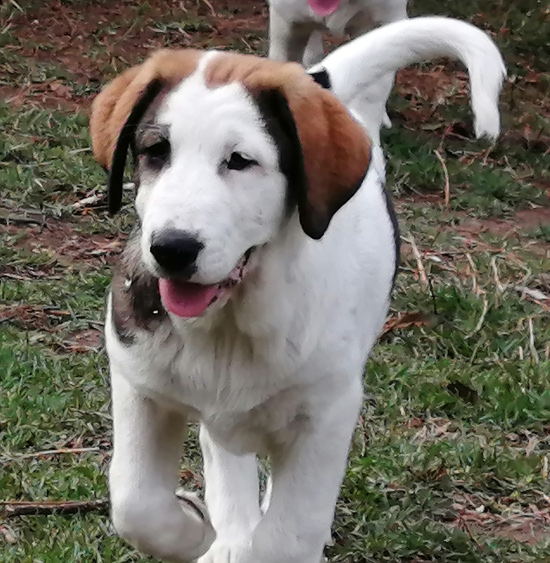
14, 508
14, 3
38, 219
534, 294
447, 182
500, 287
475, 287
462, 523
481, 319
420, 265
532, 349
210, 7
87, 201
47, 453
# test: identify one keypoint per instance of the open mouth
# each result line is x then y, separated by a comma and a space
186, 299
324, 8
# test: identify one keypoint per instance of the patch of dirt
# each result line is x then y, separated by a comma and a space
33, 317
83, 341
63, 241
530, 527
105, 37
492, 515
522, 220
39, 96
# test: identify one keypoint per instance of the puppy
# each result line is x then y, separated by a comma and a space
296, 27
253, 287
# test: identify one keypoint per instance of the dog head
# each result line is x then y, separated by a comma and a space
226, 146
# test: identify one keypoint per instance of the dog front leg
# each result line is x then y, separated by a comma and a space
287, 39
232, 496
148, 442
307, 476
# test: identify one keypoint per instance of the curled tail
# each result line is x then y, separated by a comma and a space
356, 67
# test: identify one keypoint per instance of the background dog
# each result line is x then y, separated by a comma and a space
296, 27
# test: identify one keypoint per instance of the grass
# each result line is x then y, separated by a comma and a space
451, 460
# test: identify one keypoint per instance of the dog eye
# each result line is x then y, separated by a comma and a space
157, 153
238, 162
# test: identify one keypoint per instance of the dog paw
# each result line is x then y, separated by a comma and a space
194, 508
221, 552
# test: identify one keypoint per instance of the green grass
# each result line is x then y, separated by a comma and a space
452, 454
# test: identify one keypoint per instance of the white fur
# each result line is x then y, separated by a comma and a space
358, 70
229, 211
276, 369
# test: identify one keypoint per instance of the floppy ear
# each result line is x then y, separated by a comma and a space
119, 108
125, 141
116, 113
330, 152
324, 152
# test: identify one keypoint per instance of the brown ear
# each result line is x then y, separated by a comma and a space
324, 153
105, 125
120, 107
336, 153
327, 153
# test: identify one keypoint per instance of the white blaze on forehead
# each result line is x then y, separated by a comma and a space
215, 120
228, 210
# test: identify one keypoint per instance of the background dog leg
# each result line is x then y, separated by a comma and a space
232, 495
315, 51
287, 41
148, 442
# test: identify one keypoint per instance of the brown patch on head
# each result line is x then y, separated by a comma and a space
114, 104
336, 150
333, 149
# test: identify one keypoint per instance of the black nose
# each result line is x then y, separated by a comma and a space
176, 252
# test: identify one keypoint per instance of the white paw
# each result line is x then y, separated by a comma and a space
194, 508
223, 552
386, 121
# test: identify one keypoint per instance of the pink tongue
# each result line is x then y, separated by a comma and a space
186, 299
324, 7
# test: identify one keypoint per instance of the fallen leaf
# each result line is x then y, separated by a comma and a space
406, 320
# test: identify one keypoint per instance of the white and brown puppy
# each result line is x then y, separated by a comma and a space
248, 298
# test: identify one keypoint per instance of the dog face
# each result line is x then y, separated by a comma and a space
210, 181
227, 147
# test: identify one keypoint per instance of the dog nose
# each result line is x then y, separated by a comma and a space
176, 252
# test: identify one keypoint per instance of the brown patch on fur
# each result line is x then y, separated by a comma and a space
335, 147
136, 302
113, 105
336, 150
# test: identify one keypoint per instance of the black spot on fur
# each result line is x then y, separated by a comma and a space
322, 78
136, 303
396, 234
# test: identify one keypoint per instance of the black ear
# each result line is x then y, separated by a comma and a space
125, 141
